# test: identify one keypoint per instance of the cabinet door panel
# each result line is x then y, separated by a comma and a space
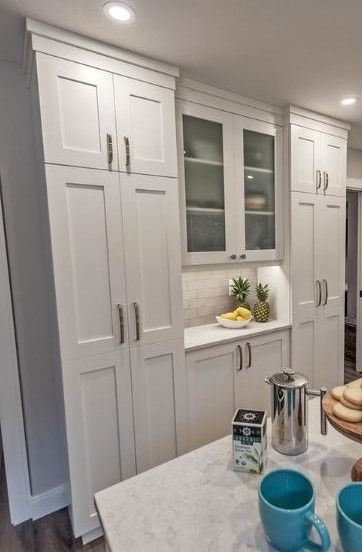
99, 424
330, 234
158, 376
146, 116
304, 215
305, 159
206, 165
210, 384
334, 165
85, 222
153, 259
77, 113
263, 356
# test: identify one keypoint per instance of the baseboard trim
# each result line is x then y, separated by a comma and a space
92, 535
46, 503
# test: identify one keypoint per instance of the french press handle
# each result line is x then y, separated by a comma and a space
320, 393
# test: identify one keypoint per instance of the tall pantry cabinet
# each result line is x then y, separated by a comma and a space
107, 142
318, 148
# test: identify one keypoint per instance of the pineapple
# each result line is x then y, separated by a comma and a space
262, 308
240, 290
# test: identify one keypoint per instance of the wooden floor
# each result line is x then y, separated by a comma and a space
49, 534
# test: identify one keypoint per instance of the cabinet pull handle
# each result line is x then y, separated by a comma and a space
109, 149
137, 319
121, 323
318, 179
326, 289
242, 256
325, 180
233, 256
319, 300
240, 358
249, 354
128, 155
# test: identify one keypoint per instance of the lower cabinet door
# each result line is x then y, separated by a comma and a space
159, 401
263, 356
210, 386
99, 424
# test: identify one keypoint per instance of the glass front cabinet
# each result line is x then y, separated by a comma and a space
230, 171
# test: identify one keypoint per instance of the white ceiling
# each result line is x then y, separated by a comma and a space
307, 52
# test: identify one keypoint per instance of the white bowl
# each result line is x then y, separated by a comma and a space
233, 324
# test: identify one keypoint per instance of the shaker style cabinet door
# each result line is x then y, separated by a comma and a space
146, 128
100, 434
152, 258
334, 163
210, 390
306, 289
258, 190
159, 402
206, 165
77, 114
330, 252
305, 159
86, 237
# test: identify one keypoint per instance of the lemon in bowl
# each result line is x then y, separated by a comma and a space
239, 318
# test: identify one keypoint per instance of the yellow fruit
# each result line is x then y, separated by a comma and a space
239, 318
229, 316
244, 313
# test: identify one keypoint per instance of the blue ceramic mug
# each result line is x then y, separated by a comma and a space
349, 517
286, 507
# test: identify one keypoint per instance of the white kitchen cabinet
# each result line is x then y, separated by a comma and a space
231, 186
317, 267
153, 258
100, 434
86, 233
77, 113
146, 136
225, 377
318, 162
159, 402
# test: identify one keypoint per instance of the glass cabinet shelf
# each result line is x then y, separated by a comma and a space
203, 161
260, 213
259, 169
205, 210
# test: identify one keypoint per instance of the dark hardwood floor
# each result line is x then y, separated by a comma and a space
49, 534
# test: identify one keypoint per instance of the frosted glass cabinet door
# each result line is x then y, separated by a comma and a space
205, 148
77, 113
258, 189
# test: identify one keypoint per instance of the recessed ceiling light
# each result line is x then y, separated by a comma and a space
119, 12
349, 101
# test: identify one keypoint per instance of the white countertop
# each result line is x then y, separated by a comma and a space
198, 337
197, 503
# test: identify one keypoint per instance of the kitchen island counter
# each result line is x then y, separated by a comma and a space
197, 503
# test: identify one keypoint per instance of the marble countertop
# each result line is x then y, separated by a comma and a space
197, 503
199, 337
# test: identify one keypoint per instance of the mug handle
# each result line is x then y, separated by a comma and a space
314, 520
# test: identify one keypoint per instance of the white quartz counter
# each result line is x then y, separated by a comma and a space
199, 337
197, 503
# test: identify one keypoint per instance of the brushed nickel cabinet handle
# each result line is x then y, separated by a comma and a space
137, 319
233, 256
326, 290
128, 155
240, 358
325, 180
319, 300
318, 179
249, 354
109, 149
121, 323
242, 256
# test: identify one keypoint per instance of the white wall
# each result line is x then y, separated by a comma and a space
32, 285
354, 163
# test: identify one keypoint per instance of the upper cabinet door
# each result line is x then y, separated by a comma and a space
86, 235
258, 189
334, 163
305, 160
146, 128
152, 257
77, 114
206, 184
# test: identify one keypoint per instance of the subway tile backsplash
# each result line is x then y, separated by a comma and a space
205, 293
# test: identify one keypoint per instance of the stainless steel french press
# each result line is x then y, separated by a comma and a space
289, 412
